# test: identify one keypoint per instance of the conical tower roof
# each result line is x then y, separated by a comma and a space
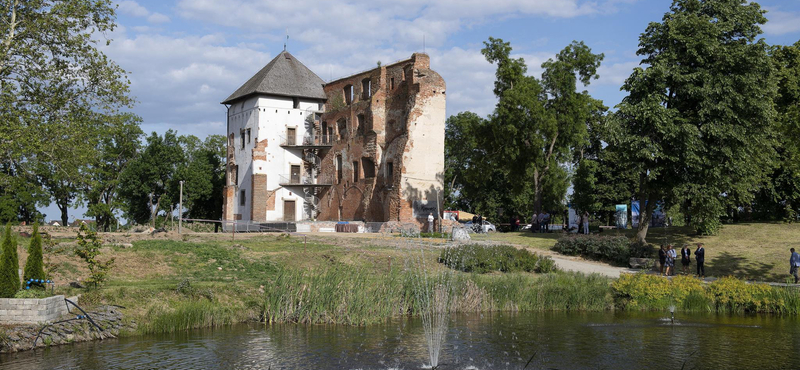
284, 76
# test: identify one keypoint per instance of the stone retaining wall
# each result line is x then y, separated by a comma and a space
32, 310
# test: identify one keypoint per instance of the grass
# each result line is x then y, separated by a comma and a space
750, 251
358, 279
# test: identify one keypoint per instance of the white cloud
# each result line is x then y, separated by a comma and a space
157, 18
133, 8
614, 74
781, 23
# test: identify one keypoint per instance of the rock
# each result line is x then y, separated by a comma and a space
460, 234
76, 285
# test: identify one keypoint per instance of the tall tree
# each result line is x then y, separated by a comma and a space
538, 123
53, 80
148, 182
780, 195
203, 176
116, 149
697, 122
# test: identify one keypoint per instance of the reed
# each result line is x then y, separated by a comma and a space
190, 315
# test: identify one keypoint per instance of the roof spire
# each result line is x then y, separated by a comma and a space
287, 39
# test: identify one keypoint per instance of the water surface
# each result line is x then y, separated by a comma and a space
496, 341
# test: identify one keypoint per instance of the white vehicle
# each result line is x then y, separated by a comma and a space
487, 227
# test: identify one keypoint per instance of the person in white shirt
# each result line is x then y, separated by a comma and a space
430, 222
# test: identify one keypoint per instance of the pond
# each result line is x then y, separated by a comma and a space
490, 341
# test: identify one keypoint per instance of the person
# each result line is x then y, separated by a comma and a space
662, 257
794, 263
546, 221
585, 222
686, 258
430, 222
480, 223
671, 256
516, 223
534, 222
700, 257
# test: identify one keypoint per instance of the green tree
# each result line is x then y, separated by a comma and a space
537, 124
9, 266
697, 123
53, 84
116, 149
204, 177
34, 265
148, 184
780, 194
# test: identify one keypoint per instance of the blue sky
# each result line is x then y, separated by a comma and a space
185, 56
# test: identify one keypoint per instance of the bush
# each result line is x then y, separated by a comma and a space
89, 250
9, 265
615, 249
34, 266
504, 258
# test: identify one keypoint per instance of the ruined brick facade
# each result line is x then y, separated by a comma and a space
388, 138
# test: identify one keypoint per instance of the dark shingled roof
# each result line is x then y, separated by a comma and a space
285, 76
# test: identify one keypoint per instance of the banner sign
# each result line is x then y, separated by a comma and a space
659, 219
621, 216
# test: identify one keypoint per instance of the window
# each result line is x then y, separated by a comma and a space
360, 123
241, 134
390, 173
391, 83
368, 167
242, 198
248, 136
325, 135
342, 127
339, 169
355, 171
233, 175
296, 103
348, 94
366, 88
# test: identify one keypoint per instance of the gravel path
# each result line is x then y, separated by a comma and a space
578, 264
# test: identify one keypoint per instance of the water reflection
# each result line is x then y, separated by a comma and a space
499, 341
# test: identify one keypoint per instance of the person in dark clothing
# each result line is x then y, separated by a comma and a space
480, 223
686, 258
794, 263
700, 257
516, 223
662, 257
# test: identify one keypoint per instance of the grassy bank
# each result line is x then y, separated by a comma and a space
750, 251
202, 280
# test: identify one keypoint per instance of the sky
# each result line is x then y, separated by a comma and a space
184, 57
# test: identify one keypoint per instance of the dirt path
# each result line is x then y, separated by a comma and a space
578, 264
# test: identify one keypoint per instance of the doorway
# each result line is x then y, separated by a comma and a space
288, 210
291, 136
295, 174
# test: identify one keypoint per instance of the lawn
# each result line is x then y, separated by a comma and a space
752, 251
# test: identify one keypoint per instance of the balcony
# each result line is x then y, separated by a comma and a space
307, 142
303, 180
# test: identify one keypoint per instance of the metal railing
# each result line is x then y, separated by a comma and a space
308, 140
303, 179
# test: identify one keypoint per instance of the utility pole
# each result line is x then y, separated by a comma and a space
180, 210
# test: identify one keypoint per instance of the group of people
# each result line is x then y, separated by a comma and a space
667, 256
540, 222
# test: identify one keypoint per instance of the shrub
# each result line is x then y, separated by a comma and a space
34, 266
9, 265
615, 249
504, 258
89, 250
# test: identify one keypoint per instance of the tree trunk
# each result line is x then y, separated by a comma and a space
537, 199
64, 213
